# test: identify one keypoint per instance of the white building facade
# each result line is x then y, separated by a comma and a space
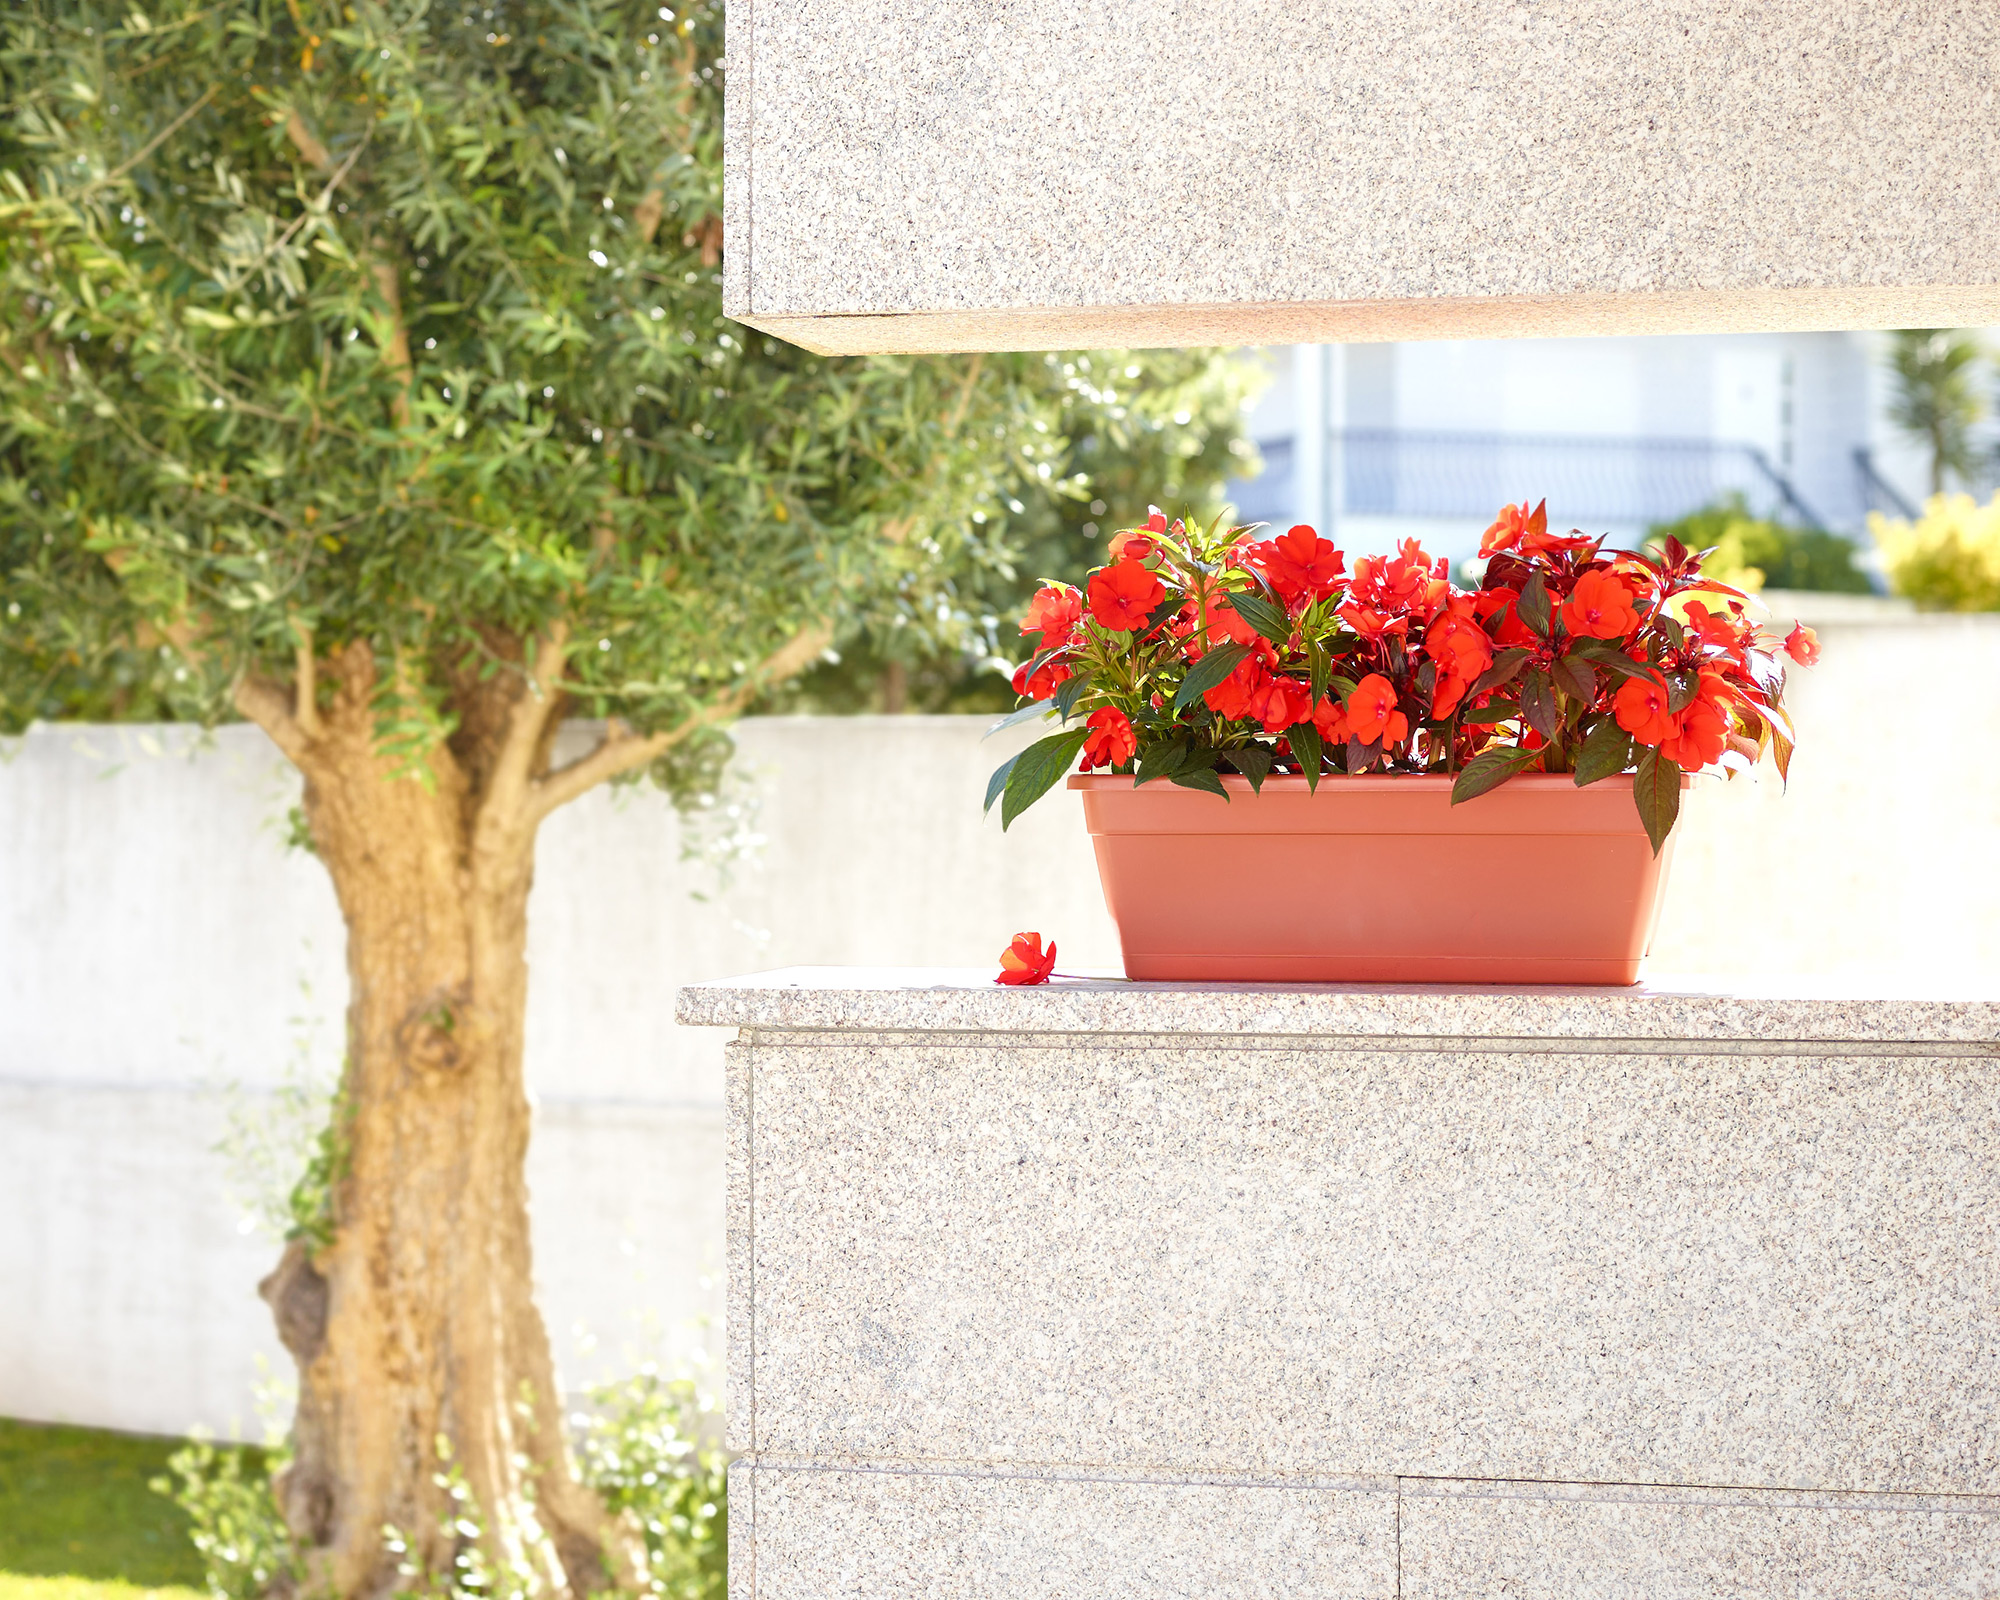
1383, 442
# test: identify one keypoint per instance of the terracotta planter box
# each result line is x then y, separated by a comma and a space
1377, 880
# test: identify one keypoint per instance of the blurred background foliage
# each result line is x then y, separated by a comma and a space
1755, 553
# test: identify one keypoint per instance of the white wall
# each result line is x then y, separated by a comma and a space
157, 942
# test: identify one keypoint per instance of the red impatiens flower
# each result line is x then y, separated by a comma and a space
1135, 544
1372, 713
1237, 696
1281, 702
1371, 624
1047, 678
1110, 741
1054, 613
1300, 564
1511, 630
1409, 582
1701, 727
1461, 651
1519, 529
1024, 961
1599, 607
1802, 645
1717, 630
1640, 708
1511, 526
1330, 717
1124, 594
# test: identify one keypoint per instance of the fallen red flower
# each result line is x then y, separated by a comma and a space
1024, 961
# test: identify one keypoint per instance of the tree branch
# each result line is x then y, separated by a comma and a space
305, 141
620, 751
509, 792
305, 690
266, 704
152, 144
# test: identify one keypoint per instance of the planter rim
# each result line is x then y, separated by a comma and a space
1336, 781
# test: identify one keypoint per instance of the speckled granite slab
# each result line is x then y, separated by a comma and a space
814, 1532
1253, 1242
1505, 1541
1022, 174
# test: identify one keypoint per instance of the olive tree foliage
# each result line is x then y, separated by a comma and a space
401, 322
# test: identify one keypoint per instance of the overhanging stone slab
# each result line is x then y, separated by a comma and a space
1040, 173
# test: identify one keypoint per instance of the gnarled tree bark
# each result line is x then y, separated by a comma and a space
420, 1351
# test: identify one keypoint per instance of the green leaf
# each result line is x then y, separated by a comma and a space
1159, 760
1202, 778
1538, 703
1013, 719
1681, 688
1576, 678
1605, 752
1036, 770
1068, 692
1612, 660
1533, 606
1266, 618
1254, 761
1305, 742
1505, 665
1487, 715
1209, 671
998, 782
1656, 791
1488, 770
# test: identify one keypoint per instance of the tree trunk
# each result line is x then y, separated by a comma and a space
427, 1393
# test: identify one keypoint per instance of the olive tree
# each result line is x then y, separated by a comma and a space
363, 374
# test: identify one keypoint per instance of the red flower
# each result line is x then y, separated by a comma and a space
1518, 528
1025, 961
1222, 618
1802, 645
1721, 632
1300, 564
1701, 727
1239, 694
1048, 676
1372, 625
1640, 707
1489, 603
1407, 582
1512, 525
1372, 713
1280, 703
1123, 595
1461, 651
1599, 607
1054, 613
1110, 741
1331, 720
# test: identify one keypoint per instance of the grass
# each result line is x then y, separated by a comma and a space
78, 1522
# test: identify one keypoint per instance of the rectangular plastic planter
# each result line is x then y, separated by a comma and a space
1377, 879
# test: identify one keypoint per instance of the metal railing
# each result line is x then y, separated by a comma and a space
1588, 480
1877, 493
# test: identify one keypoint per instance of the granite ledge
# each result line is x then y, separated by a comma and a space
963, 1000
